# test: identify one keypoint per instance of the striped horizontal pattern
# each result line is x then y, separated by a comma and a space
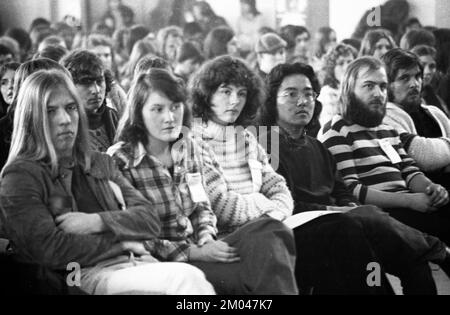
362, 162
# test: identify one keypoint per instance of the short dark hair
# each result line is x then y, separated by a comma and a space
54, 52
290, 32
189, 51
5, 50
131, 126
21, 36
398, 59
268, 113
225, 70
424, 50
148, 62
216, 41
84, 66
417, 37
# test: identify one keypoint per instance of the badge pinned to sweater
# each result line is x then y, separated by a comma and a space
194, 182
389, 150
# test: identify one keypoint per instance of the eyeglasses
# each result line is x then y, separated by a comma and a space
299, 97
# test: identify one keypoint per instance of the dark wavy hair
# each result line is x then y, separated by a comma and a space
83, 64
268, 113
131, 126
225, 70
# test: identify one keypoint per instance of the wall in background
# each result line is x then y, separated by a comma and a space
342, 15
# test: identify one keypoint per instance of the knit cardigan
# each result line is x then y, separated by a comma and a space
430, 153
246, 186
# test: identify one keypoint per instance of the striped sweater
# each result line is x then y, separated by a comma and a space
362, 162
245, 186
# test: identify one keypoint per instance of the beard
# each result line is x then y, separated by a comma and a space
412, 102
366, 114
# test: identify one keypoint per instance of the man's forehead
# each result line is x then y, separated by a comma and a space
411, 71
375, 75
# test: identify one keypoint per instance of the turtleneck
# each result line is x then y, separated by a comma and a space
231, 148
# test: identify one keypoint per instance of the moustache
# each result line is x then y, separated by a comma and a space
414, 92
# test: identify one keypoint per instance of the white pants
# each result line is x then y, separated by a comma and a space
121, 276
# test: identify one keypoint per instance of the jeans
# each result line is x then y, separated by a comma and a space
122, 276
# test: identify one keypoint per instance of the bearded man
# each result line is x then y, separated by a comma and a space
424, 129
372, 160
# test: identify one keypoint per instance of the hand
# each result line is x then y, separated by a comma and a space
79, 223
205, 239
135, 247
216, 251
438, 195
420, 202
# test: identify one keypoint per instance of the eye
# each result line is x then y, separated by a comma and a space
309, 94
176, 106
369, 86
293, 94
72, 107
243, 94
226, 92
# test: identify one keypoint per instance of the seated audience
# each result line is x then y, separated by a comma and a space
335, 64
370, 155
225, 95
407, 114
88, 73
376, 43
270, 51
63, 203
168, 167
311, 174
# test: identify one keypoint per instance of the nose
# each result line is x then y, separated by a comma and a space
234, 98
63, 117
95, 88
377, 91
169, 116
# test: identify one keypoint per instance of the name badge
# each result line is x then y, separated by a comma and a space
194, 182
389, 150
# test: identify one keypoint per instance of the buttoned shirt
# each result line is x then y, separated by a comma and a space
183, 221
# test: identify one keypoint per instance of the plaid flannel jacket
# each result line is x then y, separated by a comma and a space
183, 221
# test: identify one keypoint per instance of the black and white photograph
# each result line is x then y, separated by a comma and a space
224, 152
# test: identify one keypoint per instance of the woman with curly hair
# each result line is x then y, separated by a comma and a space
335, 64
159, 156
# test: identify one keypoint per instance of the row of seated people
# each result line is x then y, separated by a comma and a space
182, 206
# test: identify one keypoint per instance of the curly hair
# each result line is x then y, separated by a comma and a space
330, 63
268, 114
225, 70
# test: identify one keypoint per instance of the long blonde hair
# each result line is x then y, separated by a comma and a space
31, 138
